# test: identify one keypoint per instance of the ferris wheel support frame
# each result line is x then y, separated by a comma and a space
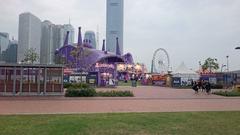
153, 66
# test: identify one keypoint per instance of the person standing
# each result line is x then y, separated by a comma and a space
203, 85
208, 88
195, 87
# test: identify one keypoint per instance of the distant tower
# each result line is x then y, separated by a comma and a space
90, 36
4, 41
103, 46
69, 27
97, 47
115, 18
29, 34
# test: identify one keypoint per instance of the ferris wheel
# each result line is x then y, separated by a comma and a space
160, 61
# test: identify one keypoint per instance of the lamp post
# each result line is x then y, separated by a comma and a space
222, 67
237, 48
227, 63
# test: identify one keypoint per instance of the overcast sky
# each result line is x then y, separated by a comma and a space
190, 30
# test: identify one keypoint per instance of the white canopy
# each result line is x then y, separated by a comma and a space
185, 73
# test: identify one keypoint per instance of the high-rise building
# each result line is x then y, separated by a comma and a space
46, 43
53, 38
115, 17
90, 36
29, 34
4, 41
68, 27
11, 52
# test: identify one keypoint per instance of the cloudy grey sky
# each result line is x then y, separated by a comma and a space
190, 30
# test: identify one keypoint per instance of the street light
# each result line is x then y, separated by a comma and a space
237, 48
223, 67
227, 62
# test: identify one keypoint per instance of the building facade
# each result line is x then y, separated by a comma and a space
53, 38
29, 34
66, 28
46, 43
90, 36
11, 52
4, 41
115, 19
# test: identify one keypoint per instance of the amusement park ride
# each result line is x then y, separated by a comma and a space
160, 62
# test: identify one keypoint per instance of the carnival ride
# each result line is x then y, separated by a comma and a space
160, 62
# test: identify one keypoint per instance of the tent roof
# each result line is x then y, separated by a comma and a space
182, 69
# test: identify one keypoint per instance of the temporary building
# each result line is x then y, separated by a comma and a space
187, 75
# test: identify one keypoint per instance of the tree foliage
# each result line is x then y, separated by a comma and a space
31, 56
210, 64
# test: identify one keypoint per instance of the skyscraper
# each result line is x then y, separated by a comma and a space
4, 41
90, 36
115, 17
66, 28
29, 34
52, 38
11, 52
46, 43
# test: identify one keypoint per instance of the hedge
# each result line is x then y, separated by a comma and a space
115, 94
228, 93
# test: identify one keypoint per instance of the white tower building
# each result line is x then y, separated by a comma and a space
115, 19
68, 27
4, 41
29, 34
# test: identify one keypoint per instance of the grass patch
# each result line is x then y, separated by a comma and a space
233, 93
129, 83
187, 123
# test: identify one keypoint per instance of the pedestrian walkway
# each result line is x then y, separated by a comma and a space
147, 99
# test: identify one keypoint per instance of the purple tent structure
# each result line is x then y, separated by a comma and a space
83, 58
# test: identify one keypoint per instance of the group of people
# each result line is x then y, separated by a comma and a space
202, 85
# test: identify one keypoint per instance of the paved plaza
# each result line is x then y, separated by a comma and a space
147, 99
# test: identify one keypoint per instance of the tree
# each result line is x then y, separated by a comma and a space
210, 64
31, 56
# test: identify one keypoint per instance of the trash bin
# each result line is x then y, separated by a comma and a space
134, 83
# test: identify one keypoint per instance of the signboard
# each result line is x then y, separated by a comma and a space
176, 81
159, 83
92, 78
213, 80
65, 79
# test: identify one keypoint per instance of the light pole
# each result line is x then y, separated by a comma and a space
237, 48
227, 63
222, 67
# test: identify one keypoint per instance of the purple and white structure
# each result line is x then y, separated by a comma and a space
83, 57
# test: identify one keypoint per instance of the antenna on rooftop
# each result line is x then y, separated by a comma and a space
69, 20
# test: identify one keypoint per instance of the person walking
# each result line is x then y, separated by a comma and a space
199, 84
208, 88
203, 86
195, 87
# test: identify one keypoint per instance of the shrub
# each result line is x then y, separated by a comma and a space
78, 86
87, 92
84, 92
227, 93
67, 85
115, 94
72, 93
217, 86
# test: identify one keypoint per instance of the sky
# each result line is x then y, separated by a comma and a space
189, 30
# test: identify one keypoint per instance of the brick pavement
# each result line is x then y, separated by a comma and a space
147, 99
